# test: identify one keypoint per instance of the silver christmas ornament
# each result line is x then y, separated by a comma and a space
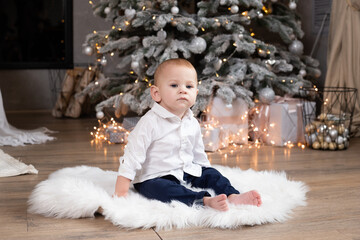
234, 9
302, 72
292, 5
134, 64
346, 133
241, 36
266, 95
103, 61
88, 50
218, 64
296, 47
313, 138
322, 128
130, 13
328, 139
174, 10
198, 45
161, 35
99, 115
260, 14
333, 134
339, 140
107, 10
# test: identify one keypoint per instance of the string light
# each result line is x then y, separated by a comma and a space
104, 133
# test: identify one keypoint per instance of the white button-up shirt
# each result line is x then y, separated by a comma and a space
163, 144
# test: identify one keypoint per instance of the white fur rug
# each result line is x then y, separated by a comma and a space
79, 191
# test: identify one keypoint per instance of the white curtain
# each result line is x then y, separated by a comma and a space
343, 63
12, 136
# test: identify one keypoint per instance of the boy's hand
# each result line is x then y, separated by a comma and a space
121, 187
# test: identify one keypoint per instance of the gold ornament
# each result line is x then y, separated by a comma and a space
341, 146
316, 145
310, 128
341, 129
324, 145
323, 117
332, 146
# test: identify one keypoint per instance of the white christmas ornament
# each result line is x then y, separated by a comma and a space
266, 95
174, 10
234, 9
134, 64
292, 5
88, 50
302, 72
129, 13
218, 64
296, 47
103, 61
161, 35
107, 10
99, 115
198, 45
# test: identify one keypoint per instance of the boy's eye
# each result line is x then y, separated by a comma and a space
189, 86
173, 85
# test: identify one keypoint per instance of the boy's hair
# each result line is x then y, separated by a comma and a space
174, 61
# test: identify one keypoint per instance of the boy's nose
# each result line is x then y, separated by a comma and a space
183, 89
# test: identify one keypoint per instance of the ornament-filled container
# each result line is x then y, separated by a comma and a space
331, 129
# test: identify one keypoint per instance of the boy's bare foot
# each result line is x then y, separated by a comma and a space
248, 198
218, 202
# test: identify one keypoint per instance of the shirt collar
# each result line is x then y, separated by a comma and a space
164, 113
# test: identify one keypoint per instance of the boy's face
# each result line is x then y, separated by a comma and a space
176, 89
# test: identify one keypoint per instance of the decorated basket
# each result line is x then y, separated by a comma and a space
328, 123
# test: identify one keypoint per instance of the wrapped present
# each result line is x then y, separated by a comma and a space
116, 134
286, 123
259, 122
233, 119
214, 137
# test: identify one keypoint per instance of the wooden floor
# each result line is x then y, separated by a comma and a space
333, 210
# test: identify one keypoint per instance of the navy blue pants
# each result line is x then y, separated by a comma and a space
168, 188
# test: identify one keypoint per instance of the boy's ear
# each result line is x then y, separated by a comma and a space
155, 94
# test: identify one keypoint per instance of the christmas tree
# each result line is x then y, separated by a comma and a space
247, 49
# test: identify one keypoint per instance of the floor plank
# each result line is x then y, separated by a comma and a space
333, 210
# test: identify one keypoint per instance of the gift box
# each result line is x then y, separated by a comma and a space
214, 137
233, 118
286, 124
116, 134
